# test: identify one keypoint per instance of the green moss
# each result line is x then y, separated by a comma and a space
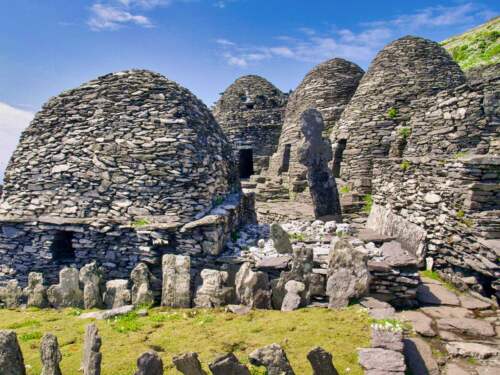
140, 223
31, 336
392, 113
405, 165
435, 276
297, 237
405, 132
345, 189
460, 154
368, 200
460, 214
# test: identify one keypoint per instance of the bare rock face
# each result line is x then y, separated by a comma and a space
117, 294
67, 293
36, 292
228, 364
141, 285
91, 276
293, 297
252, 288
176, 290
188, 364
315, 154
213, 292
348, 275
11, 294
149, 363
91, 363
50, 354
281, 240
273, 358
321, 362
11, 357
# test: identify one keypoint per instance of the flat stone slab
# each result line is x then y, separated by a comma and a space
471, 349
472, 303
422, 324
278, 263
436, 294
454, 369
369, 235
466, 326
107, 314
382, 360
442, 312
382, 313
238, 309
418, 356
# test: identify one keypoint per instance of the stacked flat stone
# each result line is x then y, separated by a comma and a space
328, 88
407, 69
250, 113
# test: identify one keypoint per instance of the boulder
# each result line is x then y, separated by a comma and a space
149, 363
67, 293
36, 292
11, 294
212, 292
141, 285
11, 357
252, 288
293, 298
273, 358
228, 364
91, 276
188, 364
50, 355
281, 240
176, 272
91, 362
321, 362
117, 294
466, 326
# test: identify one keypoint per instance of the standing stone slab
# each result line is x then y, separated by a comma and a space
67, 293
176, 291
321, 362
91, 276
11, 357
91, 363
11, 294
141, 285
228, 364
213, 292
315, 154
418, 355
36, 292
50, 355
149, 363
117, 294
188, 364
281, 240
252, 288
273, 358
293, 297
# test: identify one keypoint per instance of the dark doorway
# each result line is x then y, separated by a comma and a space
337, 157
62, 248
285, 166
246, 162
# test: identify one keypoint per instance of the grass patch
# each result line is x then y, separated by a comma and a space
368, 199
345, 189
31, 336
140, 223
405, 132
435, 276
297, 237
392, 113
460, 154
405, 165
27, 323
126, 323
207, 332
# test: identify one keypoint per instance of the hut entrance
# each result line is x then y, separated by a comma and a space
246, 162
62, 248
285, 166
337, 157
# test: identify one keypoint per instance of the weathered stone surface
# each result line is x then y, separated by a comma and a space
418, 355
228, 364
472, 303
11, 358
281, 240
50, 355
108, 314
421, 323
176, 271
149, 363
188, 364
252, 288
454, 369
273, 358
141, 285
382, 360
315, 153
213, 292
293, 297
91, 276
436, 294
36, 292
239, 309
471, 349
321, 362
11, 294
348, 275
386, 338
466, 326
67, 293
92, 358
378, 309
117, 294
439, 312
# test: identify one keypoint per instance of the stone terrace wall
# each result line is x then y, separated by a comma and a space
457, 203
250, 113
407, 69
128, 144
328, 88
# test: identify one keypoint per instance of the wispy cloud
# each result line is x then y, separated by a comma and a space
357, 45
109, 17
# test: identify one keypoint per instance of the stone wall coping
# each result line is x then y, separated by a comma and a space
488, 159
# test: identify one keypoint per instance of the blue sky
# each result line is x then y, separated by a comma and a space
47, 46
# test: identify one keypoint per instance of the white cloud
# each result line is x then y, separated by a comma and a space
12, 122
359, 45
146, 4
107, 17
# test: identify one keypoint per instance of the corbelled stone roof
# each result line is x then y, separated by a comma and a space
128, 144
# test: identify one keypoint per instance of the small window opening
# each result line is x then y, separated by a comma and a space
285, 165
337, 157
246, 162
62, 248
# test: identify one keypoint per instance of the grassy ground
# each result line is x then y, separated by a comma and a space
208, 332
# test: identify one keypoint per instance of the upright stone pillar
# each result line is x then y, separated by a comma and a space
11, 358
149, 363
176, 291
50, 355
91, 364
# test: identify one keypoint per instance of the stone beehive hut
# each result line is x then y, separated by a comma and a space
250, 112
127, 151
328, 88
375, 121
